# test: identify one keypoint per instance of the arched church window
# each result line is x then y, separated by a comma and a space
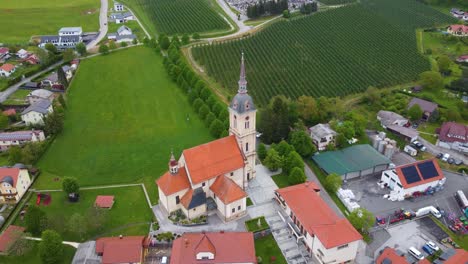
235, 121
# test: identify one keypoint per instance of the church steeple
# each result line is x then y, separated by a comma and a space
173, 165
242, 80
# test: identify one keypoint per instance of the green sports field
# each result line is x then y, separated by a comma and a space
20, 19
123, 118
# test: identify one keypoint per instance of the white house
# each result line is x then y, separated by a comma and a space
18, 138
123, 34
327, 237
213, 176
388, 118
120, 18
322, 135
417, 177
118, 6
23, 54
36, 112
40, 94
7, 69
14, 182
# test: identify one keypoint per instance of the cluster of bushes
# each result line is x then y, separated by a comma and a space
167, 236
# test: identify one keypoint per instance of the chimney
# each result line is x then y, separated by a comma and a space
186, 242
222, 231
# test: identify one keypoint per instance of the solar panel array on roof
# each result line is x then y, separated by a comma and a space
427, 170
411, 174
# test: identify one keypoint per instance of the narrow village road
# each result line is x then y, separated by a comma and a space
102, 25
73, 244
434, 150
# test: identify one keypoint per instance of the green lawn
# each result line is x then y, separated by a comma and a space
130, 214
33, 256
25, 18
132, 24
123, 118
266, 248
281, 180
252, 224
18, 97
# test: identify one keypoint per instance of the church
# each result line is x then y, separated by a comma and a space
213, 176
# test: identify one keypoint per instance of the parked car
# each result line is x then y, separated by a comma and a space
415, 253
440, 155
415, 125
451, 161
428, 250
445, 157
418, 145
410, 150
432, 245
458, 162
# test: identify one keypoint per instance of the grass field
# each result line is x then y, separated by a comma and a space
34, 17
116, 220
33, 256
320, 54
281, 180
180, 16
123, 118
336, 2
266, 248
18, 97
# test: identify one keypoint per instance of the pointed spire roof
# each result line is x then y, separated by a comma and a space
172, 160
242, 102
242, 79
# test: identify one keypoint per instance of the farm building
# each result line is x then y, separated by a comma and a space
428, 108
404, 132
123, 34
388, 118
418, 177
453, 136
19, 138
122, 249
40, 94
352, 162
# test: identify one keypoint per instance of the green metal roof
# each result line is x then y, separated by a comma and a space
351, 159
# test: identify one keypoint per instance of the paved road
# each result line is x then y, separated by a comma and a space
102, 25
73, 244
10, 90
433, 149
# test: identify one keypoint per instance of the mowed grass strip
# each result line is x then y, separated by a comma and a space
20, 19
130, 214
32, 257
123, 118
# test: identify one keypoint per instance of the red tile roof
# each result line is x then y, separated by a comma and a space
4, 50
9, 236
460, 257
227, 190
7, 67
405, 184
104, 201
451, 132
9, 112
459, 28
391, 254
212, 159
9, 172
171, 184
317, 217
228, 247
187, 198
120, 250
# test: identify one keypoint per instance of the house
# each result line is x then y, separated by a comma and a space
122, 249
4, 51
120, 18
322, 135
52, 81
416, 89
7, 69
458, 30
9, 112
352, 162
67, 37
406, 133
40, 94
18, 138
221, 169
391, 256
22, 54
32, 59
428, 108
104, 201
457, 12
74, 64
9, 237
453, 136
36, 112
68, 72
214, 247
118, 6
123, 34
327, 237
14, 183
463, 58
388, 118
418, 177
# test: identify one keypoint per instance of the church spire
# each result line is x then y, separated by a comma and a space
242, 80
173, 164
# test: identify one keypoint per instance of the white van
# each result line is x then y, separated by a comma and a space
415, 253
435, 212
410, 150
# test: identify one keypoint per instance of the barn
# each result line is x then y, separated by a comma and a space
353, 162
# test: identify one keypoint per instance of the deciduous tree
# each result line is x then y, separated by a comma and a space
103, 49
68, 55
36, 220
51, 48
51, 247
273, 160
415, 112
333, 182
431, 80
293, 160
296, 176
216, 128
444, 63
261, 151
81, 48
302, 143
362, 219
70, 185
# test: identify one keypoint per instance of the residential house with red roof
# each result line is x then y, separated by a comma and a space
14, 182
19, 138
458, 30
7, 69
117, 250
9, 237
327, 237
213, 176
4, 51
391, 256
417, 177
453, 136
215, 247
463, 58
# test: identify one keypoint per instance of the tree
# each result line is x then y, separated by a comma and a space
62, 78
81, 48
431, 80
210, 117
275, 122
293, 160
164, 42
51, 247
68, 55
372, 95
196, 36
103, 49
77, 224
283, 148
444, 63
203, 111
302, 143
333, 182
20, 246
15, 155
362, 219
415, 112
53, 123
261, 151
112, 45
216, 128
61, 100
346, 128
3, 121
35, 220
197, 104
70, 185
185, 39
307, 108
296, 176
273, 160
286, 14
135, 41
51, 48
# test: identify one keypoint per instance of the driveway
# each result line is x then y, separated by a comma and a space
102, 25
434, 150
